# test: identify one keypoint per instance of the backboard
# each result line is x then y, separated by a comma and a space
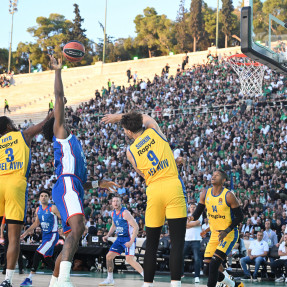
266, 42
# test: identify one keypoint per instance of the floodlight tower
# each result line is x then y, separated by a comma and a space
12, 9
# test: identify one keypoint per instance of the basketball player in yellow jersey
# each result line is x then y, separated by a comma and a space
151, 156
224, 215
15, 159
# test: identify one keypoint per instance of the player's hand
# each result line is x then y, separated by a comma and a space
110, 185
129, 244
2, 241
54, 63
222, 235
105, 238
24, 235
111, 118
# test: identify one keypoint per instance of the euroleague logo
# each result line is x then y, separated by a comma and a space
74, 53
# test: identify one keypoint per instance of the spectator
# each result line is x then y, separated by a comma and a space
277, 265
270, 237
51, 106
129, 72
257, 251
6, 106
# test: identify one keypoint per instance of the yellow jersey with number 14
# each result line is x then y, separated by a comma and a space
15, 155
153, 157
219, 212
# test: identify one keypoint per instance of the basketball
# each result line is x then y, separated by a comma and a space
74, 51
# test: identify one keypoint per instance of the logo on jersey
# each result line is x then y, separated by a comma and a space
9, 144
142, 142
217, 216
220, 201
146, 148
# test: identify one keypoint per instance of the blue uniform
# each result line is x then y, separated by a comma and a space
71, 169
49, 226
124, 232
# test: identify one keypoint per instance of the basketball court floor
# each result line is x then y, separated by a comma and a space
86, 279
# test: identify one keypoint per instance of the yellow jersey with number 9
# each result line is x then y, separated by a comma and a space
219, 212
15, 155
153, 157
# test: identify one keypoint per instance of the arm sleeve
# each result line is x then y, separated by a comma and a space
238, 217
198, 211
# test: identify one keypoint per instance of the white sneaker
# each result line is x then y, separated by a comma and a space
196, 280
107, 282
281, 279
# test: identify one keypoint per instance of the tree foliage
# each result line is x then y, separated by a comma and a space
196, 21
227, 19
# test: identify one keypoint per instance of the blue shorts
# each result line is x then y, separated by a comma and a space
49, 241
68, 193
119, 246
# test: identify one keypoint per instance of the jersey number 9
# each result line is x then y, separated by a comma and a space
152, 157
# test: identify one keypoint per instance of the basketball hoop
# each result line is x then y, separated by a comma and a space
250, 74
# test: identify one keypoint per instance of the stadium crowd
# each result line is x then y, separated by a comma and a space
6, 80
207, 120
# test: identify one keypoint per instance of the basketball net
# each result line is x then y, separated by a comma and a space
250, 74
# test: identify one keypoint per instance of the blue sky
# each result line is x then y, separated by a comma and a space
120, 16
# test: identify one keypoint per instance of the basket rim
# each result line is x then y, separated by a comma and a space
239, 56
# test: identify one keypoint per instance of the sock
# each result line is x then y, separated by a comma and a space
110, 276
175, 283
142, 274
225, 273
9, 275
53, 281
65, 270
228, 281
148, 284
30, 276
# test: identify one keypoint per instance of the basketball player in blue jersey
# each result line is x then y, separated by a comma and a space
223, 213
126, 229
46, 217
71, 169
15, 162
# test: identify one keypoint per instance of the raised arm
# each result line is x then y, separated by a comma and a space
59, 110
36, 129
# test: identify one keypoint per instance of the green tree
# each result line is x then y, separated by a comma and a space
77, 32
51, 33
196, 21
209, 18
4, 54
227, 19
153, 31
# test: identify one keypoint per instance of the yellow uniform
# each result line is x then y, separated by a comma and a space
165, 192
220, 217
15, 161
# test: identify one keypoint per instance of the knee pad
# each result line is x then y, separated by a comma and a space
206, 269
214, 264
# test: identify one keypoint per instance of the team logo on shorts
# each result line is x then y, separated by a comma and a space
220, 201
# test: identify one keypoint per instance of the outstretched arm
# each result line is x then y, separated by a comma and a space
30, 230
59, 110
36, 129
110, 185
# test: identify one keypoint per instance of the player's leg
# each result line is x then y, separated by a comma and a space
110, 263
177, 228
154, 219
130, 258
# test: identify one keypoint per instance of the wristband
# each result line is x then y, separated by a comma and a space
95, 183
227, 230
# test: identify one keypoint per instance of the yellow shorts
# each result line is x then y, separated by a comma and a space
13, 197
225, 246
165, 199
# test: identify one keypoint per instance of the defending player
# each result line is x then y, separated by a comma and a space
46, 217
151, 156
127, 230
68, 192
15, 161
223, 213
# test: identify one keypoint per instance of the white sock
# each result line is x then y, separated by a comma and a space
65, 270
9, 275
225, 273
228, 281
142, 274
30, 276
148, 284
53, 281
175, 283
110, 276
